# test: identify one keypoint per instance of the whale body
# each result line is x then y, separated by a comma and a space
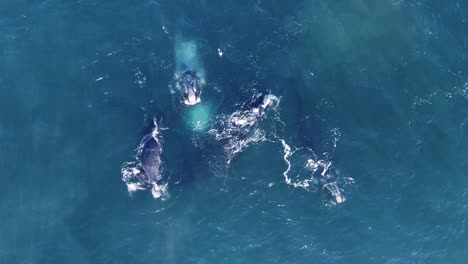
150, 160
146, 171
253, 110
190, 74
190, 87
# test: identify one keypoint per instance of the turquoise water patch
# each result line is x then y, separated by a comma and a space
197, 117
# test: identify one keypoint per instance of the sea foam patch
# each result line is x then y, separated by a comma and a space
304, 170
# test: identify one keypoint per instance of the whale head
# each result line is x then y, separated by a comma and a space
191, 88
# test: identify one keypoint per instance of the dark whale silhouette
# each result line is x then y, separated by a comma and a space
150, 160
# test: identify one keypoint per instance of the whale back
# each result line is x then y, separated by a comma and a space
151, 159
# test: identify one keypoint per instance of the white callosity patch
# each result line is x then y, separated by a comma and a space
132, 172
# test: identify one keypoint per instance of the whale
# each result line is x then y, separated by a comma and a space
260, 102
334, 192
150, 160
253, 110
189, 71
147, 171
190, 87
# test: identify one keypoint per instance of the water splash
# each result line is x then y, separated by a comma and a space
243, 127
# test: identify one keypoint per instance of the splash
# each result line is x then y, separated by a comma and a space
243, 127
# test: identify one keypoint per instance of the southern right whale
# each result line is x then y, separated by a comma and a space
150, 160
147, 171
253, 110
190, 74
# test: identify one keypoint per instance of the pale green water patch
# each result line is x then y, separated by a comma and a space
198, 117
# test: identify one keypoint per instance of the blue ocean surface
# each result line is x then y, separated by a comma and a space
362, 157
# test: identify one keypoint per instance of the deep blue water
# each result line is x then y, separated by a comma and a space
377, 88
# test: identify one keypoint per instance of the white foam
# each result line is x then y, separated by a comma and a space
318, 165
241, 128
160, 191
129, 171
164, 28
134, 186
140, 78
317, 172
245, 118
287, 154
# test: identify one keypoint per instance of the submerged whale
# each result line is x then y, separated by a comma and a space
261, 102
190, 74
253, 110
243, 127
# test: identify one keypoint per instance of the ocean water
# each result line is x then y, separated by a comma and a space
375, 93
